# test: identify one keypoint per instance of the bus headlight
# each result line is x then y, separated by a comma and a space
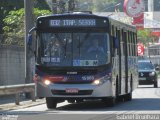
47, 82
97, 82
152, 74
100, 81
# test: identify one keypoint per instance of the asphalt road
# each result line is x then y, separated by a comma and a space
145, 103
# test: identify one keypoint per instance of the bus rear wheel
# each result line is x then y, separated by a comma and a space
51, 102
128, 97
109, 102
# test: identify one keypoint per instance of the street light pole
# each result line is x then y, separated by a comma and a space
150, 9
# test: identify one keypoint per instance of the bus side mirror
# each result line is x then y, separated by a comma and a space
29, 40
116, 42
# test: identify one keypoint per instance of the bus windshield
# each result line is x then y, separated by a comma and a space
74, 49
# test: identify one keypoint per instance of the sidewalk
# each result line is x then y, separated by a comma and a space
8, 103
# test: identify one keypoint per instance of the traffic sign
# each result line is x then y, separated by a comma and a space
140, 49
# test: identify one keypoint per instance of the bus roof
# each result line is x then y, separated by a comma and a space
71, 14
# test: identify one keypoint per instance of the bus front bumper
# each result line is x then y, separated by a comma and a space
74, 90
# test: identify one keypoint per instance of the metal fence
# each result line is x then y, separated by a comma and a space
17, 90
12, 65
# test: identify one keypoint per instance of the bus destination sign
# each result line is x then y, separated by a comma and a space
72, 22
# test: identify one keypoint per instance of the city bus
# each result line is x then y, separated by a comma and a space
66, 70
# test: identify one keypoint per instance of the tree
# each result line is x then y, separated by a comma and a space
14, 26
8, 5
71, 5
145, 37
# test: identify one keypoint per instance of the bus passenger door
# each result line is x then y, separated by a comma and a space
124, 63
119, 64
123, 73
125, 60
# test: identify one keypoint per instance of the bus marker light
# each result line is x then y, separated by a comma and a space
54, 78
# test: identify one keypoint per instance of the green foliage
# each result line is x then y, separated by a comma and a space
41, 5
8, 5
38, 12
14, 26
144, 36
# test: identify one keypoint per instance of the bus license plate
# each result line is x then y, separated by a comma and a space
72, 90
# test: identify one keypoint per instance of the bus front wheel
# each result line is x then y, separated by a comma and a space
51, 102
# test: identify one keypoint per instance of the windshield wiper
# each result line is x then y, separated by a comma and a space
65, 48
79, 47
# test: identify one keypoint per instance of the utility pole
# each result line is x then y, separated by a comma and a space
29, 57
150, 5
150, 9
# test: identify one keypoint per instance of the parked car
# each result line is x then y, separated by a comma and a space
147, 73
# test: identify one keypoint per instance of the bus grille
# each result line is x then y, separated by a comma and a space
80, 92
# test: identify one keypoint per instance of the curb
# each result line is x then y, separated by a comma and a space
23, 104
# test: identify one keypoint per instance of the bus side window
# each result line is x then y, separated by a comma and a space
115, 43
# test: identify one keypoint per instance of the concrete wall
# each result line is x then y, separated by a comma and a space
12, 67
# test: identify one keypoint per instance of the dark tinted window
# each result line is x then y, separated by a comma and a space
145, 65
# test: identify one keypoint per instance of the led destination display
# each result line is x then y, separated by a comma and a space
69, 23
72, 22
